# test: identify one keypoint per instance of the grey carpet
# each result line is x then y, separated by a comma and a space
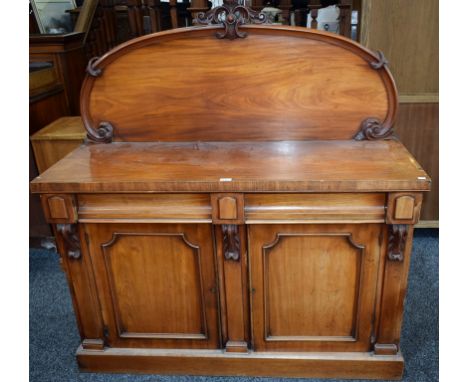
54, 337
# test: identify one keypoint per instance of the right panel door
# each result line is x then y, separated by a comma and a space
313, 287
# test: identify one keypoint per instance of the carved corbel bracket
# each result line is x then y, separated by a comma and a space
381, 63
231, 242
69, 233
373, 129
91, 68
397, 235
230, 15
103, 134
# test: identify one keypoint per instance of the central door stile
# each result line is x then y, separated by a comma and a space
231, 251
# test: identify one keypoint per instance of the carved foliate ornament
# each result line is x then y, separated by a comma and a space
231, 242
69, 233
231, 15
397, 236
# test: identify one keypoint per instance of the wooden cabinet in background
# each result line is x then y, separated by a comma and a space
56, 140
229, 218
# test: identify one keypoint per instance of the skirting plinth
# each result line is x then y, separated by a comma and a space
220, 363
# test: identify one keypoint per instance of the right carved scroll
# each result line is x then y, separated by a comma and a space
373, 128
397, 235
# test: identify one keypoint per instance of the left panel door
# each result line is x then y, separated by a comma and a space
156, 284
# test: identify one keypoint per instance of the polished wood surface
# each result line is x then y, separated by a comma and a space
195, 81
324, 166
240, 229
315, 208
156, 284
356, 365
314, 286
146, 208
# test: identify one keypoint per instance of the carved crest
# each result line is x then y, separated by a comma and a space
231, 15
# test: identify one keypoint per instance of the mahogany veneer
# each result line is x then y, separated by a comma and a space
237, 209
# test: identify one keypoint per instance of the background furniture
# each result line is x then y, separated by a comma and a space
408, 33
56, 140
253, 222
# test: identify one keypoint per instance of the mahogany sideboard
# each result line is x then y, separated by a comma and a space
240, 207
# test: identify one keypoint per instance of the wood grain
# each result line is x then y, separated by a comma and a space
156, 284
314, 286
314, 208
195, 81
59, 208
144, 208
315, 166
319, 365
227, 208
404, 208
405, 204
233, 288
394, 285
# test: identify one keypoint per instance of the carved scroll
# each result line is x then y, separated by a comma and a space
231, 242
397, 241
373, 129
103, 134
382, 62
91, 68
70, 237
231, 15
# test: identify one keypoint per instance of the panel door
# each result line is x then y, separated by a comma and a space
156, 283
313, 286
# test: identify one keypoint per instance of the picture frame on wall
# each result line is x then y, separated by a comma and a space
52, 16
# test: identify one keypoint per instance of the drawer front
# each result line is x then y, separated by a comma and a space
315, 208
313, 286
156, 284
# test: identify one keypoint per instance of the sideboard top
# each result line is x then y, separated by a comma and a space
278, 83
288, 166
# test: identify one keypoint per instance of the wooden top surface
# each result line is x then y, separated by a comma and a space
279, 83
287, 166
64, 128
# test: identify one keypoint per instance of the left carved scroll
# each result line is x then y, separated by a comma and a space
105, 131
103, 134
231, 242
69, 234
91, 68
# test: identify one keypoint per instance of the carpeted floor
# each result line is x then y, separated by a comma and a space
54, 337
